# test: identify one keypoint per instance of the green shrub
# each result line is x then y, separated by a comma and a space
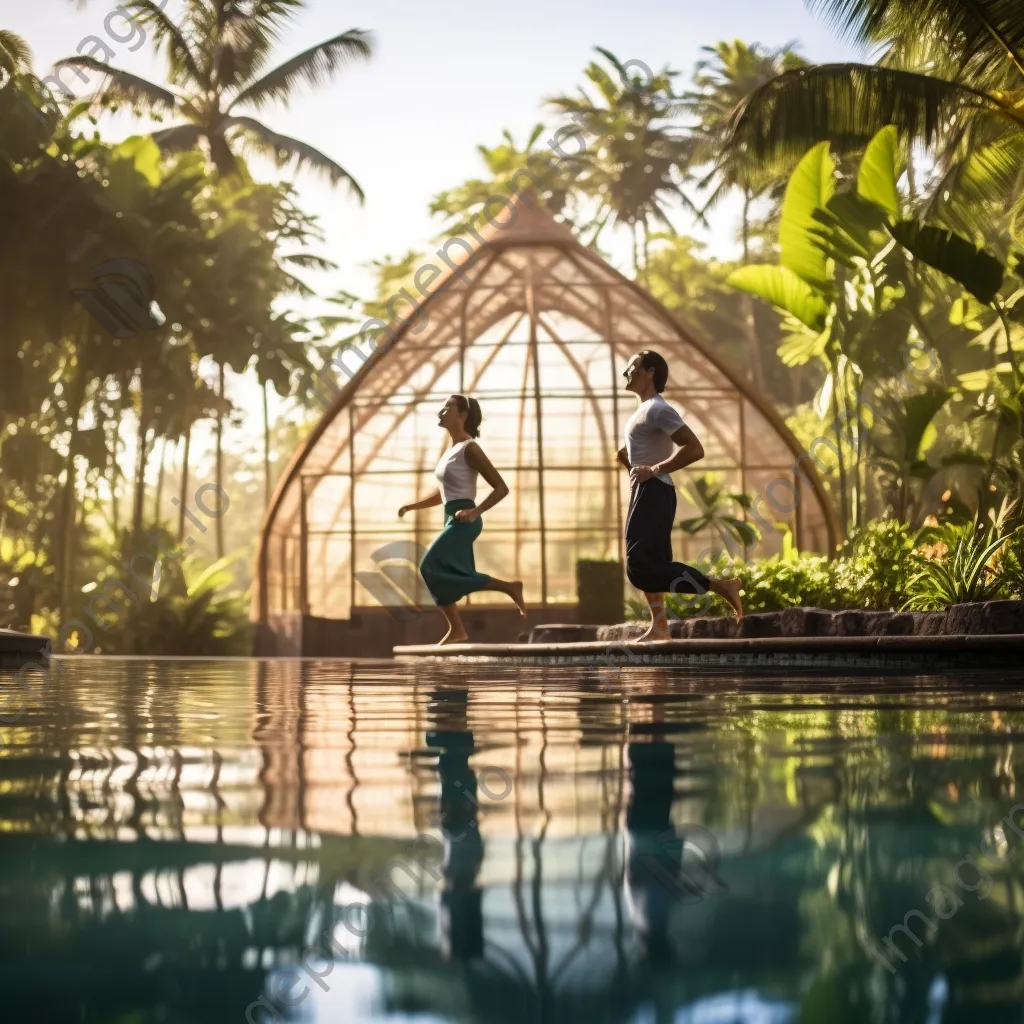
773, 584
884, 566
192, 611
875, 566
788, 580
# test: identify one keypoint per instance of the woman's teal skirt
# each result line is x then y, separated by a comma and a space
448, 568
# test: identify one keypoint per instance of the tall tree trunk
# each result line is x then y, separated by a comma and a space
67, 520
266, 449
160, 483
747, 305
220, 459
141, 460
115, 476
746, 225
844, 513
183, 495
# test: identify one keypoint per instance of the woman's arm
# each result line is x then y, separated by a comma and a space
434, 499
499, 489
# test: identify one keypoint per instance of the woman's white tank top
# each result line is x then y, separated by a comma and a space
455, 477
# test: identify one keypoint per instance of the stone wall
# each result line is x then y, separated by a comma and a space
984, 618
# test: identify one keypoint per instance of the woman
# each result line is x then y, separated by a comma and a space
448, 568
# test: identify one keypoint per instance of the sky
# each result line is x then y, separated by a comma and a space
446, 77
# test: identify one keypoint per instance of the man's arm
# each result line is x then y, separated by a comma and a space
623, 457
689, 450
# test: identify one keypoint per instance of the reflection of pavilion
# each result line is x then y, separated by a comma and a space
538, 328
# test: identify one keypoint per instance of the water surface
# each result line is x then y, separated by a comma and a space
193, 841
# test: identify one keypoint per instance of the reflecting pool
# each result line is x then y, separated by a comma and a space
193, 841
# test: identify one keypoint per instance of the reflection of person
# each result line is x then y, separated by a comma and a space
461, 914
448, 567
659, 872
650, 862
658, 442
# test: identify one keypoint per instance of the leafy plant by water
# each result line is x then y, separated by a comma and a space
961, 568
717, 512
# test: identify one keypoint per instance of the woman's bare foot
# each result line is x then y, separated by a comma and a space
515, 591
729, 590
452, 638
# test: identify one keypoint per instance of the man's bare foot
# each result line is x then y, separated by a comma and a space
515, 591
452, 638
654, 635
730, 591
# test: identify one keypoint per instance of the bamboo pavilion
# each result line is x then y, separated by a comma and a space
538, 328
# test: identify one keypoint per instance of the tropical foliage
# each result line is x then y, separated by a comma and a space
950, 78
106, 361
875, 296
721, 512
961, 566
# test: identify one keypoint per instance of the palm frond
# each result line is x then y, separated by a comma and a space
309, 261
298, 286
121, 87
313, 66
183, 63
178, 138
284, 149
17, 50
974, 27
847, 104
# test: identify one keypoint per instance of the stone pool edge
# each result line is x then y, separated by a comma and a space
903, 653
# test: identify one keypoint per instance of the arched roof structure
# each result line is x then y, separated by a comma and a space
538, 328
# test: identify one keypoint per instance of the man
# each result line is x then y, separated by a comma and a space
658, 443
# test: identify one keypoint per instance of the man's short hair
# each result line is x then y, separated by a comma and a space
653, 361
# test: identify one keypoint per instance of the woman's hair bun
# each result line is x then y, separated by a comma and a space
471, 407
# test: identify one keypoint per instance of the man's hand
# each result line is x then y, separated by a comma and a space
623, 456
467, 515
640, 474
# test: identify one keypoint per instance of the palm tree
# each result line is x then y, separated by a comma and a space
217, 67
506, 164
633, 166
951, 77
730, 72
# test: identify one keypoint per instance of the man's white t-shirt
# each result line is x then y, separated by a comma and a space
649, 434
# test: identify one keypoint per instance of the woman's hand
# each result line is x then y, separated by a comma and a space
402, 511
640, 474
467, 515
